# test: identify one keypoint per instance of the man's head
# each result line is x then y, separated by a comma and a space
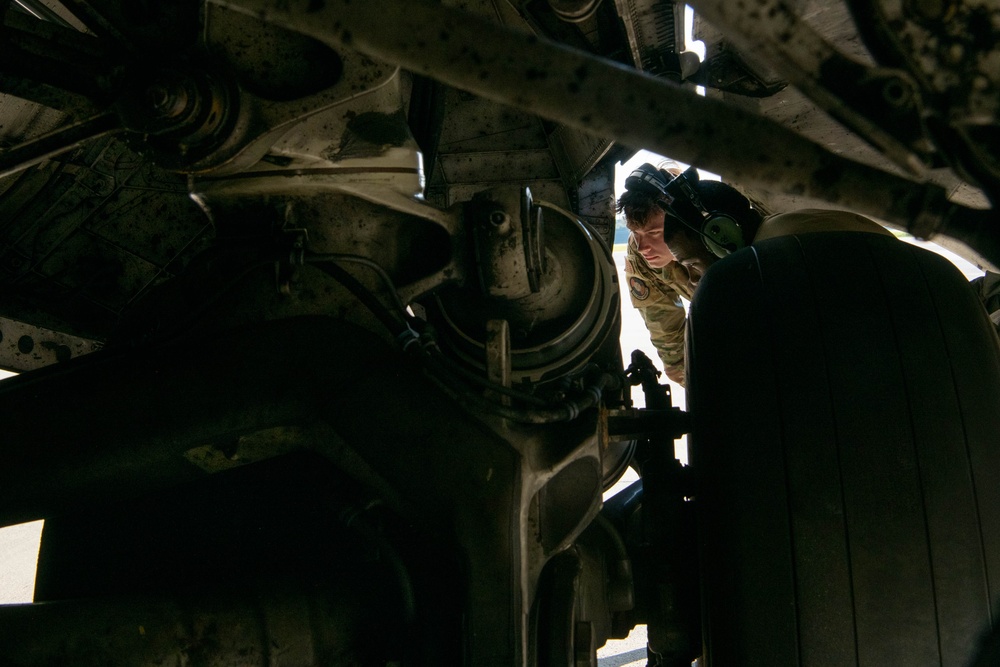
644, 218
662, 237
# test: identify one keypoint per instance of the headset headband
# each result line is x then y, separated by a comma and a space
676, 196
646, 176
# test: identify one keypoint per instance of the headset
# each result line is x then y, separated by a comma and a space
720, 231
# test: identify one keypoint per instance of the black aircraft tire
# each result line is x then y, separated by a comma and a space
845, 391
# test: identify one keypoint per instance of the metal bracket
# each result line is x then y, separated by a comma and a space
291, 257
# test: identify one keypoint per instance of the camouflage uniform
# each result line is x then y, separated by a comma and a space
656, 294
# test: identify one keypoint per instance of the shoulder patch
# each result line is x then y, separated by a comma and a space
639, 289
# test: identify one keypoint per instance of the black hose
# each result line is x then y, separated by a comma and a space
396, 325
540, 413
453, 367
566, 411
342, 258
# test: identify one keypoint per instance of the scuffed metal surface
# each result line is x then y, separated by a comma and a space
25, 347
606, 99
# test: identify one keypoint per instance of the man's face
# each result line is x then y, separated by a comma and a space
650, 241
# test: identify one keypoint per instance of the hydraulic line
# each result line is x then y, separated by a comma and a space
542, 412
310, 258
453, 367
566, 411
396, 325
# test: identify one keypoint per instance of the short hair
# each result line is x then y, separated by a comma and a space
637, 205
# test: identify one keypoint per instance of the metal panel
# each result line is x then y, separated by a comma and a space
498, 167
24, 347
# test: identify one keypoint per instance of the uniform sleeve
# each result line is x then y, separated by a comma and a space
661, 309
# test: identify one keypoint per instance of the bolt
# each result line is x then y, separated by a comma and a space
498, 218
157, 96
955, 53
895, 92
166, 100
